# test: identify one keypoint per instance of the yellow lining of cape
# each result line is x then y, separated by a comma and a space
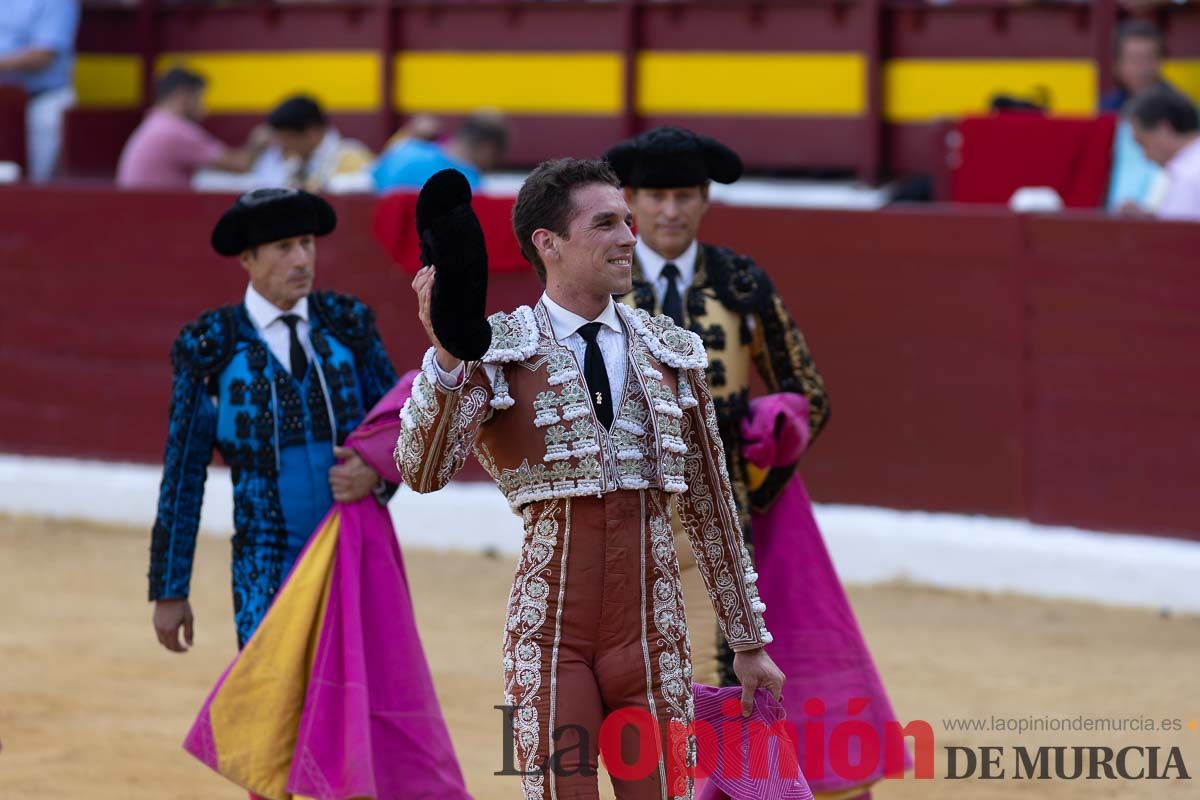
256, 714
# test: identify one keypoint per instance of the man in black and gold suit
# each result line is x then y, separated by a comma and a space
729, 301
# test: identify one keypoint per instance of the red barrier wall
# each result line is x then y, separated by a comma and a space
1113, 343
977, 361
914, 321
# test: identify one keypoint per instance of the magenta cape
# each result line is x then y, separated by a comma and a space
736, 758
332, 697
817, 642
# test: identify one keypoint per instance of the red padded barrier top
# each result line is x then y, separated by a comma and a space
1002, 153
394, 225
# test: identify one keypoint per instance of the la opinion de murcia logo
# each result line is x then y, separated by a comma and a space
1066, 763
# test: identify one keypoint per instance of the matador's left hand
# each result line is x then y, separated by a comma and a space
756, 670
351, 479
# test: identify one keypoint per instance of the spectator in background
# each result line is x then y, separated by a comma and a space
308, 153
419, 126
169, 146
37, 53
1138, 55
1136, 182
1167, 127
478, 146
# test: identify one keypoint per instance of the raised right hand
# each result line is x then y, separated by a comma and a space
423, 285
169, 617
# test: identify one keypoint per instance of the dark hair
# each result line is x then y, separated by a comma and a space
1163, 104
484, 128
1138, 29
177, 79
545, 200
297, 114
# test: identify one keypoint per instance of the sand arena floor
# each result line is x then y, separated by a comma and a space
92, 707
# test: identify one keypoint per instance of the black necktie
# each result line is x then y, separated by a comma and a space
596, 375
298, 356
672, 301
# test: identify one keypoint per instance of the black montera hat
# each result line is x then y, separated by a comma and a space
669, 157
452, 240
267, 215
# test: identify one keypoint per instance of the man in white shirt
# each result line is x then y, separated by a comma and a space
1167, 127
309, 153
275, 383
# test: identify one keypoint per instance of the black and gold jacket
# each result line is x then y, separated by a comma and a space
733, 307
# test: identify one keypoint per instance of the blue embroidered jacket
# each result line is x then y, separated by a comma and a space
274, 432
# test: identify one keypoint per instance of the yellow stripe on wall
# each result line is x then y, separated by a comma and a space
828, 84
919, 90
252, 82
565, 84
518, 83
108, 80
1184, 74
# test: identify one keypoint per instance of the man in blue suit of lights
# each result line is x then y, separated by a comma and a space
274, 383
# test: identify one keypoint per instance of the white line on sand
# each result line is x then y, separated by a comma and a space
867, 544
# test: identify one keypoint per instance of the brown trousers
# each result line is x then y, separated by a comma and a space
595, 624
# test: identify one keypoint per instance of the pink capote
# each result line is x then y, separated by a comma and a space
817, 643
764, 773
371, 726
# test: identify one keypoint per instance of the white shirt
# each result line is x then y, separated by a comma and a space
274, 331
652, 265
1182, 198
611, 339
565, 326
321, 164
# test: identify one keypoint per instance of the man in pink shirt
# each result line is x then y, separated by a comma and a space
170, 145
1167, 127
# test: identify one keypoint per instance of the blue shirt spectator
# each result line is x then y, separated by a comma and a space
37, 53
408, 164
477, 146
38, 25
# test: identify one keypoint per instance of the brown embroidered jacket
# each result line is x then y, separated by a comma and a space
525, 412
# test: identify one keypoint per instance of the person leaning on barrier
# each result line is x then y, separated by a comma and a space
170, 146
309, 153
1166, 126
